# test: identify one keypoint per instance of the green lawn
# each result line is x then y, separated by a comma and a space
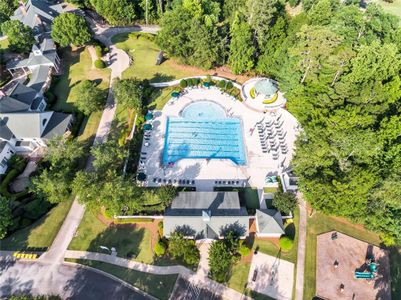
239, 276
143, 52
4, 44
392, 8
41, 233
92, 233
321, 223
159, 286
160, 97
77, 66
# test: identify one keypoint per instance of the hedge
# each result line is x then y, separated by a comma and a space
36, 208
100, 64
132, 220
99, 51
50, 98
183, 83
160, 248
78, 119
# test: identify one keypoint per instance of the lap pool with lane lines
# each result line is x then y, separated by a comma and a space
204, 131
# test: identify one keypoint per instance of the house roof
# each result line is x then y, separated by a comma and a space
45, 10
39, 78
269, 221
206, 214
43, 55
20, 99
27, 125
58, 124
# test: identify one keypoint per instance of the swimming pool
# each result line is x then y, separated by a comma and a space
203, 131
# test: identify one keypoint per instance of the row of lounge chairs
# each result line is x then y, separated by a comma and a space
174, 181
272, 137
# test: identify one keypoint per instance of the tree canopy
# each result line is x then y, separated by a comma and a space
20, 36
70, 29
89, 97
5, 216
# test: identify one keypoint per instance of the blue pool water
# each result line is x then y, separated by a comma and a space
204, 131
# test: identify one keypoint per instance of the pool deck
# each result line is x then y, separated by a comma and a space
206, 171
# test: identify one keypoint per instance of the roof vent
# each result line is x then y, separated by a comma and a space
206, 215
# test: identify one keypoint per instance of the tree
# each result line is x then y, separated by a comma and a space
70, 29
5, 216
116, 12
242, 50
7, 8
89, 97
285, 202
20, 36
180, 247
54, 182
222, 255
107, 156
129, 93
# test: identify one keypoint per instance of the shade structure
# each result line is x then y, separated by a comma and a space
206, 84
147, 127
148, 116
141, 176
175, 94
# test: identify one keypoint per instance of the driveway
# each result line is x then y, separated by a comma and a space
67, 281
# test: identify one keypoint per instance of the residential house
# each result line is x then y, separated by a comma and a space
21, 98
206, 215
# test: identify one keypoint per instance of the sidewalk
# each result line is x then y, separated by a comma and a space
299, 280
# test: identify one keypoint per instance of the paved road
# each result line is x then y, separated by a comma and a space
299, 280
64, 280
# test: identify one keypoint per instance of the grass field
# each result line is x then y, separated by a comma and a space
320, 223
127, 239
159, 286
41, 233
239, 276
77, 66
143, 52
4, 44
392, 8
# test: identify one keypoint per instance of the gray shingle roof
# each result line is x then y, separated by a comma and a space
24, 125
39, 77
206, 214
20, 99
58, 124
269, 221
45, 10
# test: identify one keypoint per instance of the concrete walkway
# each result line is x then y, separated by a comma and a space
299, 280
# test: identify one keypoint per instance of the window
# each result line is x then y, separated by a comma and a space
3, 162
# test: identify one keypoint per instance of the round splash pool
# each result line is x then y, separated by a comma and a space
203, 110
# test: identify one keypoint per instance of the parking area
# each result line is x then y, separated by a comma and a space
271, 276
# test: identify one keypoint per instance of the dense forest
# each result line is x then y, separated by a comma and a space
339, 65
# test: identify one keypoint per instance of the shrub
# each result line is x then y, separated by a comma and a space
160, 229
78, 119
294, 3
36, 208
244, 249
183, 83
229, 85
99, 51
50, 98
160, 248
221, 84
132, 220
285, 202
286, 243
99, 64
193, 81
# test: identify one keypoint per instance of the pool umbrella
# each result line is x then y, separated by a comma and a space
175, 94
141, 176
206, 84
149, 116
147, 127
